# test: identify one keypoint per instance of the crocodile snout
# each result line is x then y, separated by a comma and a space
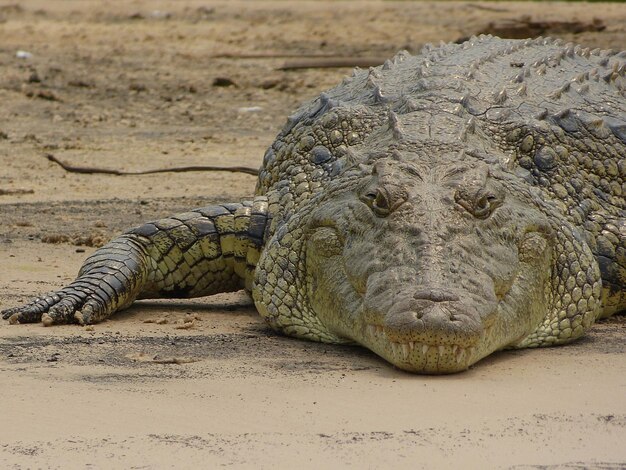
434, 322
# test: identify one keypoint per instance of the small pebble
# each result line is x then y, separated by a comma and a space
23, 55
250, 109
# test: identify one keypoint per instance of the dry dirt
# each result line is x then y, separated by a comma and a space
132, 85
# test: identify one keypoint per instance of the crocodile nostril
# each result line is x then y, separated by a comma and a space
435, 295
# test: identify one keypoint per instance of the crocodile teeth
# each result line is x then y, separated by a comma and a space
441, 349
411, 345
371, 330
425, 348
405, 350
460, 355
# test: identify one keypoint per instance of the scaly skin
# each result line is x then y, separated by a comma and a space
434, 210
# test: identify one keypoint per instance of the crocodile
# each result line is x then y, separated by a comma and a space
434, 209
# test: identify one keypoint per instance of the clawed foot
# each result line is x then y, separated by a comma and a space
68, 305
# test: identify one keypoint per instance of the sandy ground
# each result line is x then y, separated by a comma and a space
130, 85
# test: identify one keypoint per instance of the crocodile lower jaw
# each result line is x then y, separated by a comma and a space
416, 354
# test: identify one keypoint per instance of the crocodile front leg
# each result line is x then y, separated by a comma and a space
202, 252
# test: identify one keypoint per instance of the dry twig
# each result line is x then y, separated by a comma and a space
332, 62
106, 171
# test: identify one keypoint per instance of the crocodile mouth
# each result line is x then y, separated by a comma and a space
423, 355
427, 327
406, 349
438, 334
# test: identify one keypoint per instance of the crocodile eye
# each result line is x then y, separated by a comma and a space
481, 205
484, 205
378, 201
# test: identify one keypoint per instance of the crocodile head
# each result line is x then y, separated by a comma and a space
431, 266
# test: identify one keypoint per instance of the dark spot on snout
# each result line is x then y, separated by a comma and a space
435, 295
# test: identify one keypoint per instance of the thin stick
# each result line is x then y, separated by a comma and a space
334, 62
7, 192
268, 55
310, 61
106, 171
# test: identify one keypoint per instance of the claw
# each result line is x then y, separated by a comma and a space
85, 316
47, 320
33, 310
73, 304
109, 279
7, 313
61, 313
80, 318
25, 314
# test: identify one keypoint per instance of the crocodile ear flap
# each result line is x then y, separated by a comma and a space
574, 290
